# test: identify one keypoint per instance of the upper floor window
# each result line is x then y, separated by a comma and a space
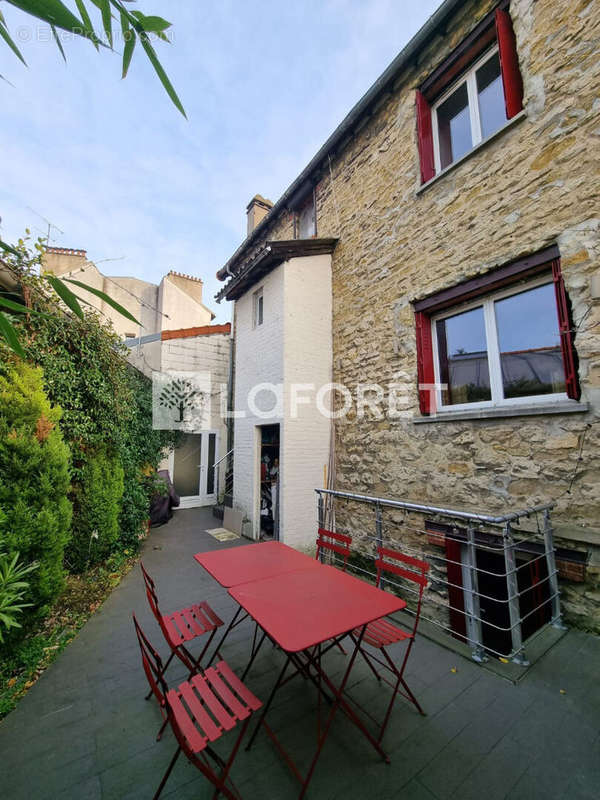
257, 308
500, 339
469, 112
306, 219
470, 96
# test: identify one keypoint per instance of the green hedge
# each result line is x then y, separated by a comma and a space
97, 506
35, 513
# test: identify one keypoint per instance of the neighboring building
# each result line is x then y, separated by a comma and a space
175, 303
175, 336
462, 191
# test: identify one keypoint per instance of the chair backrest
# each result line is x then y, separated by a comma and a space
335, 543
151, 593
152, 663
412, 569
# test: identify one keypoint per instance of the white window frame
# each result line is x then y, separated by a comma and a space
470, 79
493, 351
258, 295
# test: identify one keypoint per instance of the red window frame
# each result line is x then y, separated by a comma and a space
496, 26
547, 260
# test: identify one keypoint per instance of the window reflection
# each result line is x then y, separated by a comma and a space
463, 359
454, 124
492, 108
529, 342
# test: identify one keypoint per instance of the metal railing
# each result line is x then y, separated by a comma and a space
493, 578
228, 478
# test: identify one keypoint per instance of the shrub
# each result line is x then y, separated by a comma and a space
97, 505
35, 514
106, 414
12, 590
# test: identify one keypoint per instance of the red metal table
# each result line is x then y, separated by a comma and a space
238, 565
253, 562
302, 610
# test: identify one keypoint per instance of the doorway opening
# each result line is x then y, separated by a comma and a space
269, 482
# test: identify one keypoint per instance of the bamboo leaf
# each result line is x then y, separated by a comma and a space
65, 294
104, 6
151, 24
56, 13
128, 50
162, 75
58, 43
103, 296
9, 249
12, 306
10, 335
7, 38
87, 22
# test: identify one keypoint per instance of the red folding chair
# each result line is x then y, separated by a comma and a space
381, 634
182, 627
200, 711
336, 544
332, 542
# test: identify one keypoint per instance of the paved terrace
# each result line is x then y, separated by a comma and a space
85, 732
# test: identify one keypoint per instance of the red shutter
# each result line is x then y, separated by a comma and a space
509, 63
565, 327
425, 372
456, 596
425, 137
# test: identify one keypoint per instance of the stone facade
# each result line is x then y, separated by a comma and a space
533, 185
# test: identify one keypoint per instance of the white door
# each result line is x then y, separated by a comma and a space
192, 468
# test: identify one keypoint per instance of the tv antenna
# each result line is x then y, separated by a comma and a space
48, 223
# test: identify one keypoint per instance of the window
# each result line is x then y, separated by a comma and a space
500, 339
306, 220
470, 112
470, 96
257, 311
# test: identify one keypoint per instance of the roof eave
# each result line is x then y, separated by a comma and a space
273, 254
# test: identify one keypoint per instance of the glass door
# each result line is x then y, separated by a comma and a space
193, 469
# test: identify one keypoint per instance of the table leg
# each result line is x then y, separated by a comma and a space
254, 654
230, 627
338, 701
268, 703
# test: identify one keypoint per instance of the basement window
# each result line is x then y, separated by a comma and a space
257, 310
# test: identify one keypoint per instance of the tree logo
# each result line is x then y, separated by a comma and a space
179, 395
181, 400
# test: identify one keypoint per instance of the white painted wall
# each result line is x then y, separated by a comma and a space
293, 345
307, 358
258, 359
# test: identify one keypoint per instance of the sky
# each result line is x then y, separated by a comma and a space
115, 167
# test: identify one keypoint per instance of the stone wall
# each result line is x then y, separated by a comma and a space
534, 185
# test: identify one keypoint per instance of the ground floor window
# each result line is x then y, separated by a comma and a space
499, 339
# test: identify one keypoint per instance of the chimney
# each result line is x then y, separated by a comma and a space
256, 210
60, 260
